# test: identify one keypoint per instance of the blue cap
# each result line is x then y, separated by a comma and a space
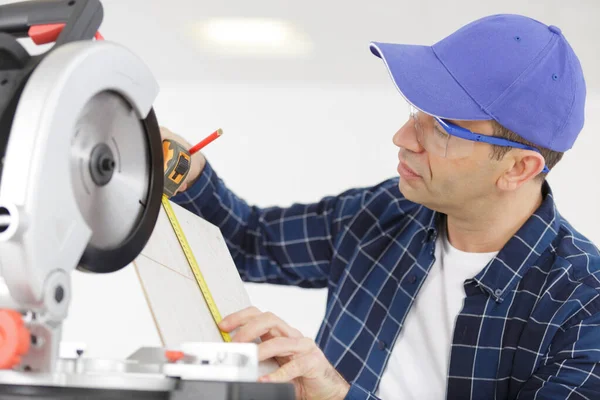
509, 68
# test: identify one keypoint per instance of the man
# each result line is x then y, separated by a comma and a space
458, 279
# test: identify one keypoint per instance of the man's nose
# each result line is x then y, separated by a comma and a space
406, 137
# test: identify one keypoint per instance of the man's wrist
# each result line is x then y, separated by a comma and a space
344, 385
357, 392
198, 165
344, 391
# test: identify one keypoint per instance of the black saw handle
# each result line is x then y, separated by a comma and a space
82, 18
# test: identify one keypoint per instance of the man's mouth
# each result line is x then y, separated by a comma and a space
406, 172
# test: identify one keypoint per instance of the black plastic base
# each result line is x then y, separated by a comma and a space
10, 392
186, 390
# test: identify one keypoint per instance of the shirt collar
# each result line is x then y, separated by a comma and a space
521, 252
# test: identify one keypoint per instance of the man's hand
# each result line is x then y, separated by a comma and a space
301, 361
198, 160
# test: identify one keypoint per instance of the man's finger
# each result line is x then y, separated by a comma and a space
182, 188
239, 318
259, 325
284, 347
301, 366
165, 133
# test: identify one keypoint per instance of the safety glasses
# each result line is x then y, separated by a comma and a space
448, 140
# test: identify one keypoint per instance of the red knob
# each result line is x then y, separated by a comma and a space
173, 355
14, 339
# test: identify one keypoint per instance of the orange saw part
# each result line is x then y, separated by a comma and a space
15, 339
48, 33
174, 356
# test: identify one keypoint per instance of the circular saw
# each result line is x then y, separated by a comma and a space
81, 164
81, 177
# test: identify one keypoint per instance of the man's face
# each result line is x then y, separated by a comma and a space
443, 183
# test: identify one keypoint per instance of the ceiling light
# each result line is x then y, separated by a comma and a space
250, 36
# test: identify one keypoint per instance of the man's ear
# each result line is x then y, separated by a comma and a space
522, 166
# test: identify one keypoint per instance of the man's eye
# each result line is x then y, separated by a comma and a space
440, 132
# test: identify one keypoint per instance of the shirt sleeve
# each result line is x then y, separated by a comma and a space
357, 392
572, 368
289, 246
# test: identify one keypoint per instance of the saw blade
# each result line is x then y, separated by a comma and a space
110, 169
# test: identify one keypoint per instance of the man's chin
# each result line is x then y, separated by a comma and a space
422, 197
417, 193
410, 191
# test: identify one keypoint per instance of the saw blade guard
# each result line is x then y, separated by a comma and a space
84, 161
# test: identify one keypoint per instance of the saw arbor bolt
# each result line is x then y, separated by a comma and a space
102, 164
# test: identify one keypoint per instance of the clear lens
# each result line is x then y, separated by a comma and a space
436, 140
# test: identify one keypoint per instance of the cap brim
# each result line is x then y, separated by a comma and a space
425, 82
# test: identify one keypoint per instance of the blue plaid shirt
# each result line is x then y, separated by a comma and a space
530, 325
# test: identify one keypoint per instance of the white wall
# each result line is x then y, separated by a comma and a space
286, 144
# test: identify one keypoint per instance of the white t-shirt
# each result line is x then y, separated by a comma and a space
419, 362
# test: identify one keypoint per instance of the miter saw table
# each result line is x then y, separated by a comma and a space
81, 182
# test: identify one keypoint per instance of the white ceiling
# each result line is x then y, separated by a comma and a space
340, 32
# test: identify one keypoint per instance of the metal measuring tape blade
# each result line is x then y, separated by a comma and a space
189, 255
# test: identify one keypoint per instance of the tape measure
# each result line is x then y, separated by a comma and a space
177, 162
189, 255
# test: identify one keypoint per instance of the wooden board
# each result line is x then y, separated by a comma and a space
178, 308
